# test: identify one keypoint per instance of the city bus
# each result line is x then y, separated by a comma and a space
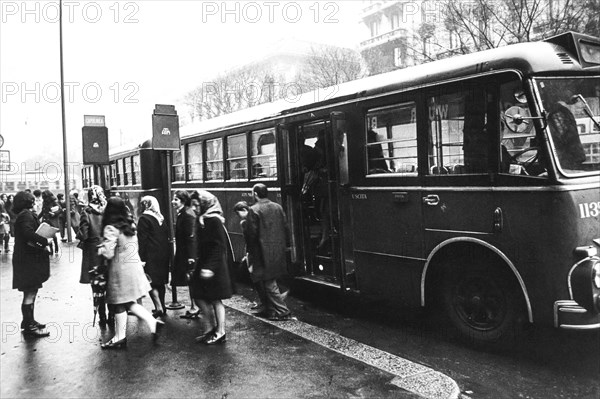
469, 185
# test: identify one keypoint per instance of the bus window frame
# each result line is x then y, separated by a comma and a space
188, 164
227, 159
251, 157
221, 160
178, 165
388, 141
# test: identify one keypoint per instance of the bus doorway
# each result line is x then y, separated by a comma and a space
318, 202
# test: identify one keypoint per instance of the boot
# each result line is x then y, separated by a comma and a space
28, 324
110, 321
39, 325
102, 313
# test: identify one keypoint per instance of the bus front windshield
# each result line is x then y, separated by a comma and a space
573, 118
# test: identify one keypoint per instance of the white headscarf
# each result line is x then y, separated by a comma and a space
152, 208
209, 207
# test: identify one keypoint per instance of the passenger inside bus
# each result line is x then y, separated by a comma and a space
376, 161
563, 127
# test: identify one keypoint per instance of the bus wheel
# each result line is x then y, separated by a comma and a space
483, 305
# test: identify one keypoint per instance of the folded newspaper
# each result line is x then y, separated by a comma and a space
47, 231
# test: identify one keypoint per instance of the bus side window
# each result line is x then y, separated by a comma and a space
458, 135
391, 139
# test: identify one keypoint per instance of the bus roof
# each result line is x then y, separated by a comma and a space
528, 58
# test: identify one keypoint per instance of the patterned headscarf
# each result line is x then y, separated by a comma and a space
209, 206
152, 208
96, 198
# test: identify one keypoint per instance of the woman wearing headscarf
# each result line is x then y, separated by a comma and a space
210, 281
185, 242
51, 211
127, 282
90, 235
31, 262
153, 238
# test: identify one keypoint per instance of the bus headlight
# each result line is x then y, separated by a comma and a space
596, 274
585, 284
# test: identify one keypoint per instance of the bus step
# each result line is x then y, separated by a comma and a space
322, 280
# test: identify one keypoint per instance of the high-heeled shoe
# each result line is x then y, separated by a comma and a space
156, 334
115, 344
216, 340
206, 335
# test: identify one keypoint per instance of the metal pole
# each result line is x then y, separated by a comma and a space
64, 128
174, 304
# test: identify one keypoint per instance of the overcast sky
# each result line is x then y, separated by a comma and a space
121, 58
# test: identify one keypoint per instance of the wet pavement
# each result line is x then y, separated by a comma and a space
259, 359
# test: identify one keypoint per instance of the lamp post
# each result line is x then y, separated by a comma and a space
64, 128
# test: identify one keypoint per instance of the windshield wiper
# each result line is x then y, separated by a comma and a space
587, 109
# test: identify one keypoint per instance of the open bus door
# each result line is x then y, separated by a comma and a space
310, 195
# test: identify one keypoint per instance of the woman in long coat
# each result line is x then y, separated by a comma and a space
90, 235
211, 281
153, 238
127, 282
31, 262
185, 241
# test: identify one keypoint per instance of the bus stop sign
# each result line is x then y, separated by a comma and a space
165, 128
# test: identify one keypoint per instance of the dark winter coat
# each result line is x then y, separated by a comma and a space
154, 249
31, 261
90, 234
213, 248
268, 224
185, 244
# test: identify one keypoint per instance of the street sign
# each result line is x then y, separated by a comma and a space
95, 145
165, 128
4, 161
94, 120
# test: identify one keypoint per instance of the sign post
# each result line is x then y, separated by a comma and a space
165, 137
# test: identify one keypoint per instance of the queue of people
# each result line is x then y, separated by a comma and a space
203, 256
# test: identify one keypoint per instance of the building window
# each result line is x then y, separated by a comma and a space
395, 20
392, 140
120, 173
374, 26
195, 161
178, 166
214, 159
263, 154
237, 161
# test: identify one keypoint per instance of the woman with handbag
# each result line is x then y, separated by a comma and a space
90, 236
31, 262
210, 281
50, 214
127, 282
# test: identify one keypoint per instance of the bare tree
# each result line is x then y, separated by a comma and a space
252, 85
330, 66
484, 24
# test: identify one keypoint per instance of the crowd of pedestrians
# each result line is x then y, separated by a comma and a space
120, 278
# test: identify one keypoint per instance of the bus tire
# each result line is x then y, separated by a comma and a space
484, 305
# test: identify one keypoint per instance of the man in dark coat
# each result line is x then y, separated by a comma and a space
31, 262
267, 225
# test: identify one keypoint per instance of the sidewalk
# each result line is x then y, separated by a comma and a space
260, 358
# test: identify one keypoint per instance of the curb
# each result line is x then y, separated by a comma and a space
408, 375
